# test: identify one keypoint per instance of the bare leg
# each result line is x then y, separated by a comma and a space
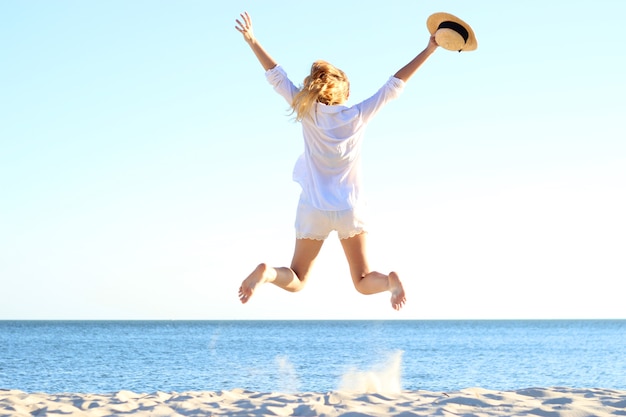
264, 273
290, 279
371, 282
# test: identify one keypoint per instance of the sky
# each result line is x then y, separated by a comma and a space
145, 162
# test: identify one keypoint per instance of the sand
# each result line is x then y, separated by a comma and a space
474, 402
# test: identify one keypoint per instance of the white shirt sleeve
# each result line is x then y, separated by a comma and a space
390, 90
278, 78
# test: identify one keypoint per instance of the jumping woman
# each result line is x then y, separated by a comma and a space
329, 170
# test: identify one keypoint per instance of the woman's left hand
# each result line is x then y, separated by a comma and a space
244, 26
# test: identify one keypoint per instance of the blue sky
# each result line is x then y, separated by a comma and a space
145, 163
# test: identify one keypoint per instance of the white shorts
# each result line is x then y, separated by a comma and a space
313, 223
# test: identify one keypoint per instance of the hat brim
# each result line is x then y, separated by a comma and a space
436, 19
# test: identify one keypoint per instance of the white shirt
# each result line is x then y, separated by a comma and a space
329, 170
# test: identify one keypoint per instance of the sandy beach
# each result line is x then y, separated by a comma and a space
475, 402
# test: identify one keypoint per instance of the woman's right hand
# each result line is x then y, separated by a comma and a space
432, 43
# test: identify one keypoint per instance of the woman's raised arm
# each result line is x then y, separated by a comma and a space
411, 68
244, 26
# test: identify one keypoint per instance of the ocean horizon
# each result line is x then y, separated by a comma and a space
106, 356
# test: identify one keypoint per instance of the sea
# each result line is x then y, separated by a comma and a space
310, 356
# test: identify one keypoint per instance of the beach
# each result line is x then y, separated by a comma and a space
293, 368
546, 402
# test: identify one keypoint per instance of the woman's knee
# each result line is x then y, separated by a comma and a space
357, 278
302, 275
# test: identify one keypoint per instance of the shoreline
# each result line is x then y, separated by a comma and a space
536, 401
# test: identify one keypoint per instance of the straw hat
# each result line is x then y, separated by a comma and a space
451, 32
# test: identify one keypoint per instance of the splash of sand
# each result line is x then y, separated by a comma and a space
287, 373
384, 377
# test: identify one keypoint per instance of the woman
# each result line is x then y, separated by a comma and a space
329, 170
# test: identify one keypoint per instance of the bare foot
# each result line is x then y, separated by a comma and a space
398, 297
260, 275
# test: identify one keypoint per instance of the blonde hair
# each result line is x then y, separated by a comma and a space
326, 84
